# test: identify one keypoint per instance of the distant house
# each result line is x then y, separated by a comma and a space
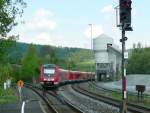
107, 57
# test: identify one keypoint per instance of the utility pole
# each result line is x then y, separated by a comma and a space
91, 25
125, 25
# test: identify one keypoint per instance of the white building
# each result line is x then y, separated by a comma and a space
108, 58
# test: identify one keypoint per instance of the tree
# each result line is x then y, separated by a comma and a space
6, 72
5, 45
139, 61
81, 60
134, 45
30, 64
9, 10
139, 45
5, 67
48, 55
72, 65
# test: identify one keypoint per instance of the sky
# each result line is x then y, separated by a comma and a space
66, 22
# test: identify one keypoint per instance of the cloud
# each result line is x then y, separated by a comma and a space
40, 21
45, 38
44, 13
37, 24
39, 28
37, 38
42, 38
96, 31
107, 9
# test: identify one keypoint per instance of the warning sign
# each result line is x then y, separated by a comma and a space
20, 83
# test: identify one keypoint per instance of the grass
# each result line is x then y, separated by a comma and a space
88, 62
86, 66
118, 95
8, 96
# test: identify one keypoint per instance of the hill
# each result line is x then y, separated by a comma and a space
20, 49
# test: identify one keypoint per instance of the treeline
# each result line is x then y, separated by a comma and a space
31, 61
139, 60
20, 49
6, 70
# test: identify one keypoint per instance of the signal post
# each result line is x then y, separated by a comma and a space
125, 25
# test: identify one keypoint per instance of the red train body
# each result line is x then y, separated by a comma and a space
51, 75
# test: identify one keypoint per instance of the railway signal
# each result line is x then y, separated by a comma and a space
125, 25
125, 14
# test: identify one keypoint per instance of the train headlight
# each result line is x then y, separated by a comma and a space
52, 79
42, 82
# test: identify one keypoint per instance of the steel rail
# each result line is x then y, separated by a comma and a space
68, 103
75, 108
115, 90
46, 100
131, 107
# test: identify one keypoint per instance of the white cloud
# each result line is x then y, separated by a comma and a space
37, 38
42, 38
37, 24
37, 29
40, 21
96, 31
107, 9
44, 13
109, 14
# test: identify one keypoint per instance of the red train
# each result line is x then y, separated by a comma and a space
51, 75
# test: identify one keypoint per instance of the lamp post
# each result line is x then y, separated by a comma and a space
91, 25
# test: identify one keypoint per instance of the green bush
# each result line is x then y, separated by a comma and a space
6, 72
8, 96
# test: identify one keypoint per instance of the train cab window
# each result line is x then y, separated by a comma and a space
49, 70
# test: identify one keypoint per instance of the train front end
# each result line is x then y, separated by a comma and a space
48, 77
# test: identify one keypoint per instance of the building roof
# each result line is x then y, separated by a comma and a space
103, 36
114, 49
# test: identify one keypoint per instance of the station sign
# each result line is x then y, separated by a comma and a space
126, 55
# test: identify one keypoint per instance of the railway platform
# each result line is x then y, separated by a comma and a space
30, 107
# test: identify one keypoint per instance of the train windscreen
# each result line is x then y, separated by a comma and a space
49, 70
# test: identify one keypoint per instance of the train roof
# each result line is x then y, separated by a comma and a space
81, 72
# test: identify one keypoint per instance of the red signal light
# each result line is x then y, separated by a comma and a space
125, 12
126, 4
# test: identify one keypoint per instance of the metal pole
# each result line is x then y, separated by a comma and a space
91, 36
124, 106
91, 44
20, 93
91, 25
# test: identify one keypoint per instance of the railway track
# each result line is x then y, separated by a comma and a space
55, 103
88, 105
131, 107
46, 100
115, 90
